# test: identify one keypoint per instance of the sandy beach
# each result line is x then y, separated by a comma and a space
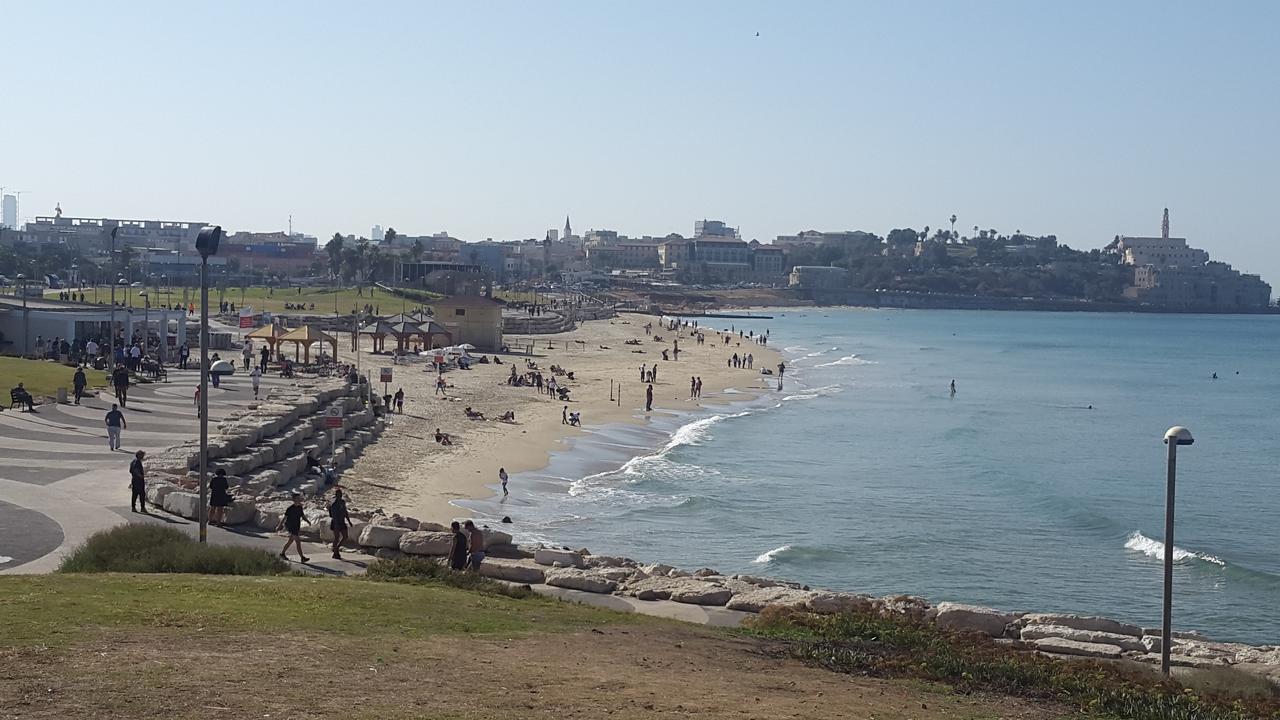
408, 472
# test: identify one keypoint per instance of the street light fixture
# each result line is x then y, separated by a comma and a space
207, 245
1175, 436
21, 281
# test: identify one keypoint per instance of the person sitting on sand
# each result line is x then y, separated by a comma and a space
575, 419
508, 416
473, 414
443, 438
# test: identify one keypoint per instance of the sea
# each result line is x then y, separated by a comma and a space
1039, 485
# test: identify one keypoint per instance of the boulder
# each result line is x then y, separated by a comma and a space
549, 556
495, 537
904, 606
241, 512
609, 561
763, 597
382, 536
585, 580
156, 492
657, 570
705, 572
1124, 642
1078, 622
512, 571
1059, 646
972, 618
829, 603
416, 542
685, 590
182, 503
385, 553
432, 527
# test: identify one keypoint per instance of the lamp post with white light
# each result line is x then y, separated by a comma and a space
1175, 436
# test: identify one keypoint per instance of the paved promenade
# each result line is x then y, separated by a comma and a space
59, 483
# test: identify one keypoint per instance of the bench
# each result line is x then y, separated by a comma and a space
20, 397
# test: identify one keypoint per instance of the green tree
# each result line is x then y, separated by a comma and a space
336, 255
416, 250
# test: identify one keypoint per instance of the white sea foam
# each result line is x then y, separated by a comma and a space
848, 360
4, 559
811, 393
695, 432
768, 557
1155, 549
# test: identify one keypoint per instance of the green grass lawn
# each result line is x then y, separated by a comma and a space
56, 610
262, 298
41, 377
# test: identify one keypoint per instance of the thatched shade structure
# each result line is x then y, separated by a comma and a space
303, 337
270, 334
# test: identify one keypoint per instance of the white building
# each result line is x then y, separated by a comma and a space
9, 214
1160, 252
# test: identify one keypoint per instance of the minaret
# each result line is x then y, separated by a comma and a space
567, 230
1164, 225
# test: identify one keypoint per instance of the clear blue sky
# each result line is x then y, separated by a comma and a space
496, 119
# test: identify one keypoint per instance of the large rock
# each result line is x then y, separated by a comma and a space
1078, 622
416, 542
1124, 642
182, 503
241, 512
609, 561
585, 580
830, 603
382, 536
512, 571
680, 589
908, 607
1060, 646
763, 597
157, 491
972, 618
566, 558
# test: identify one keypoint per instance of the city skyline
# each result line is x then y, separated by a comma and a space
496, 121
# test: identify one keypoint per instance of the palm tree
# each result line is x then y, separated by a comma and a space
953, 223
334, 249
416, 250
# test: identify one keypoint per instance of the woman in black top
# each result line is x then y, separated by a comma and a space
219, 498
339, 521
292, 521
458, 550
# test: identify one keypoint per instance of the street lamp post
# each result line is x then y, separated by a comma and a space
21, 282
146, 319
111, 334
207, 245
1175, 436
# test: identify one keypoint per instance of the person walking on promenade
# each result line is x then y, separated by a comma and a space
458, 548
266, 355
255, 377
135, 357
78, 383
184, 354
115, 423
339, 521
246, 353
292, 522
120, 380
399, 398
502, 475
648, 398
219, 498
137, 483
475, 546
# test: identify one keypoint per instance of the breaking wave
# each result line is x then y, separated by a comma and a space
854, 359
809, 394
1155, 549
765, 558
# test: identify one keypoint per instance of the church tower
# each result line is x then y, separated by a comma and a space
568, 231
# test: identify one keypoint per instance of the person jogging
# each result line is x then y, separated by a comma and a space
115, 423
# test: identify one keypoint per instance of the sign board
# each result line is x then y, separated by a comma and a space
246, 317
333, 417
384, 375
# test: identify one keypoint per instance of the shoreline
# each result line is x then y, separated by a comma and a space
406, 472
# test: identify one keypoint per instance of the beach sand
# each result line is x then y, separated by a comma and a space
407, 472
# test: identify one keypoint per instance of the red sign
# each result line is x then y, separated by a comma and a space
246, 321
385, 375
333, 417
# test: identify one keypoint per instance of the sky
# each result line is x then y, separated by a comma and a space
498, 119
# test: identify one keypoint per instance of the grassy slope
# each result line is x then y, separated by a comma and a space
189, 646
55, 609
40, 376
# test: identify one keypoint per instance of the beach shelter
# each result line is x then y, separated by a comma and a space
302, 339
431, 329
379, 330
269, 334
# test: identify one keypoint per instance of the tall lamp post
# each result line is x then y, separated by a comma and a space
111, 334
1175, 436
207, 245
146, 319
21, 283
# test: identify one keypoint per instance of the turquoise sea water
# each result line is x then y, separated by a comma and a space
865, 474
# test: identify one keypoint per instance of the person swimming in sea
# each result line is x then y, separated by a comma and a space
953, 387
1215, 376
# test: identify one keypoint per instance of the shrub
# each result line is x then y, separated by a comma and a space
140, 548
428, 570
868, 644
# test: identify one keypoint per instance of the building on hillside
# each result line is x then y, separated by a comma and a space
377, 234
818, 277
471, 319
416, 273
94, 233
168, 267
624, 255
714, 229
1160, 252
673, 254
268, 253
852, 242
1213, 286
768, 264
